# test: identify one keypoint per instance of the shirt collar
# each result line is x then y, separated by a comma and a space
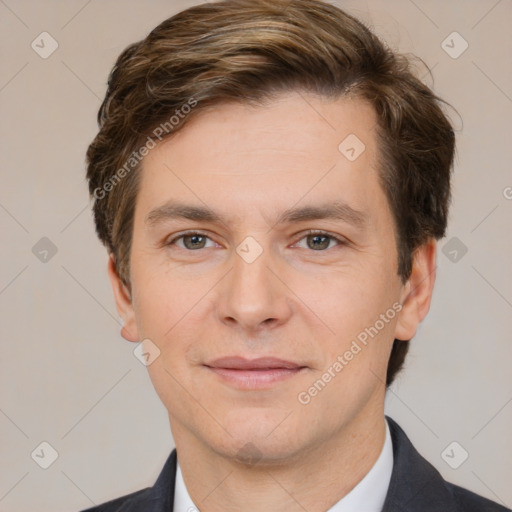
368, 495
182, 500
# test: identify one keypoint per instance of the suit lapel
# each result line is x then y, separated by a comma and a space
161, 497
415, 484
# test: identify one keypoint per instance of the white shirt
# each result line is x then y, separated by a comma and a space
367, 496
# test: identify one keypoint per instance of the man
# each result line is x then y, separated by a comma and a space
270, 182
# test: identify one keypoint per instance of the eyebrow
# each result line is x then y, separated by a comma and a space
337, 210
334, 211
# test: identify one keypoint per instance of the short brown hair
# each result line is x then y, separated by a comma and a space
248, 51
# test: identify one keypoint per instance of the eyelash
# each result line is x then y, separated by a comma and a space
340, 241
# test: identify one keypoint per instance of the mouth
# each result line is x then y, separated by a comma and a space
251, 374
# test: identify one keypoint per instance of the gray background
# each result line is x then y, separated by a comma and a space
68, 378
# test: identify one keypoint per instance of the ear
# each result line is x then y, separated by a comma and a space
417, 291
122, 297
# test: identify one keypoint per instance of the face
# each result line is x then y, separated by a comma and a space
263, 252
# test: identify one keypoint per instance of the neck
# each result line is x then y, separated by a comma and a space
314, 481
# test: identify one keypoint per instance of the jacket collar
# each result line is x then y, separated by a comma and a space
414, 481
415, 484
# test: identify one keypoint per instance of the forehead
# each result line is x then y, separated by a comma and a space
306, 124
237, 157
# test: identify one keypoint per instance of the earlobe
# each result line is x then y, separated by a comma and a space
123, 302
417, 292
128, 335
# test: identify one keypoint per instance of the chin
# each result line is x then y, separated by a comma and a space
258, 454
261, 441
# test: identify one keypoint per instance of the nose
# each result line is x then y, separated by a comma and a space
252, 296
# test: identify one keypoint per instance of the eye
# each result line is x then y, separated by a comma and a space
320, 241
191, 241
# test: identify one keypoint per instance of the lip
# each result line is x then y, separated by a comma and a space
261, 363
251, 374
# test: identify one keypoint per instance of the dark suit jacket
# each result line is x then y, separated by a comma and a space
415, 486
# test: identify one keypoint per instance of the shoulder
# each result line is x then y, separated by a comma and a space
158, 498
127, 503
468, 501
416, 485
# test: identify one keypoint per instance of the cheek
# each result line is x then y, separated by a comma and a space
172, 313
163, 300
345, 301
357, 313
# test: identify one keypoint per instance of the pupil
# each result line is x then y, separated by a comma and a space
324, 242
194, 241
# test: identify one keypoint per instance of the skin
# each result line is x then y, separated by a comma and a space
294, 302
